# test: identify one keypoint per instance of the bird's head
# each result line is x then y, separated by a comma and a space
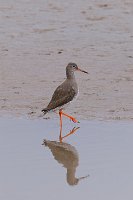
73, 67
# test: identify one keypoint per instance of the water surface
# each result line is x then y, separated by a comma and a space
99, 151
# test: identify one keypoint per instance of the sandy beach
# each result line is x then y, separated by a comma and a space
39, 38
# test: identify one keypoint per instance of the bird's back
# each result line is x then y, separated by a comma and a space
64, 94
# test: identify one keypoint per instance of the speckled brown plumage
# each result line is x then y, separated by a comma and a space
64, 93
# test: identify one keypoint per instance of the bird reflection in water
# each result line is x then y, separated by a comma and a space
66, 155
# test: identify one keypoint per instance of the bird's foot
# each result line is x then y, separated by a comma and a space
70, 133
74, 120
70, 117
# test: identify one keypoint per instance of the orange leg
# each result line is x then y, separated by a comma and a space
60, 114
70, 133
70, 117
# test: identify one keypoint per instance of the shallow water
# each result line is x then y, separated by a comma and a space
30, 170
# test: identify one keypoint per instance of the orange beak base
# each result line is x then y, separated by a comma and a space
82, 70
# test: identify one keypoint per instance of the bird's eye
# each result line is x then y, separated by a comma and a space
74, 66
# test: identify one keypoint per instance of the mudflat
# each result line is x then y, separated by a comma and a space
39, 38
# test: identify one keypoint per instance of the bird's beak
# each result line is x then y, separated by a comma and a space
82, 70
83, 177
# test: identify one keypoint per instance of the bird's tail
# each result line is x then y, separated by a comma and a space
45, 110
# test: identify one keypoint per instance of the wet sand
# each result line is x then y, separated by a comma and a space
30, 170
39, 38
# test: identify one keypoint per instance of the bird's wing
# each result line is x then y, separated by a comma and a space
61, 96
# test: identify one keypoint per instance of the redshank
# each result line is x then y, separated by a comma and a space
66, 155
65, 93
